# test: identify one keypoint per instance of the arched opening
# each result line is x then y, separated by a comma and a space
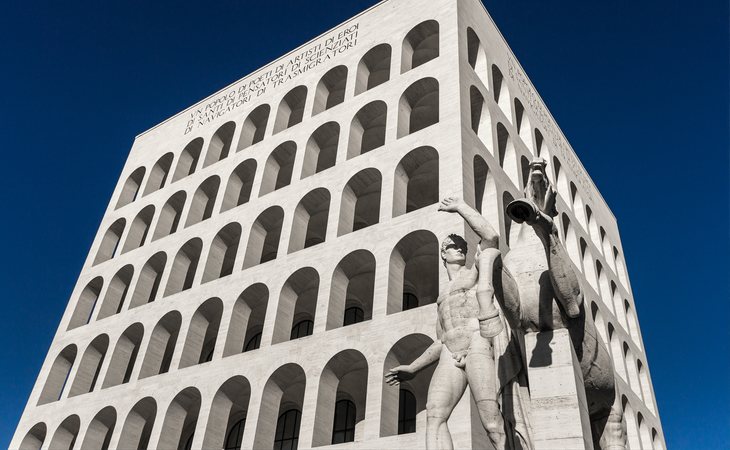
525, 170
632, 431
247, 320
510, 233
360, 206
588, 264
297, 306
373, 69
606, 248
593, 227
201, 207
138, 425
616, 352
170, 215
598, 321
524, 129
352, 289
644, 433
330, 89
99, 432
254, 127
413, 273
310, 220
116, 292
139, 229
131, 187
148, 282
341, 399
110, 242
657, 442
418, 107
279, 167
202, 334
86, 303
562, 181
645, 386
501, 92
238, 190
507, 155
87, 373
227, 417
291, 109
571, 242
620, 268
158, 174
578, 209
124, 357
420, 45
188, 161
481, 121
178, 428
604, 288
58, 375
367, 130
416, 181
399, 414
321, 151
34, 438
282, 399
633, 328
486, 200
184, 266
263, 242
162, 344
476, 56
618, 305
222, 253
543, 152
66, 434
220, 144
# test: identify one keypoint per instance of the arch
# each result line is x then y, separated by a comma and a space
645, 386
34, 438
344, 377
279, 168
616, 352
657, 442
139, 229
124, 357
138, 425
148, 282
297, 303
66, 433
476, 56
254, 127
524, 170
509, 233
578, 208
203, 202
86, 303
481, 120
606, 248
507, 154
524, 129
542, 151
367, 130
405, 351
598, 321
180, 420
330, 89
184, 266
618, 306
283, 391
604, 288
589, 264
620, 268
644, 434
418, 107
162, 344
633, 323
229, 408
321, 151
110, 242
291, 109
202, 335
632, 431
220, 144
420, 45
170, 215
87, 373
263, 242
413, 270
188, 161
247, 320
571, 242
416, 181
360, 205
310, 220
353, 285
373, 68
99, 432
485, 192
562, 181
222, 253
116, 292
240, 183
593, 230
159, 173
58, 375
130, 189
501, 92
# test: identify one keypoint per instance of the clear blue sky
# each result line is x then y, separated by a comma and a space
640, 89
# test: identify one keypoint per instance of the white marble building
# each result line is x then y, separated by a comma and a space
270, 252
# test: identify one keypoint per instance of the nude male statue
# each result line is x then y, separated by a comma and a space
467, 322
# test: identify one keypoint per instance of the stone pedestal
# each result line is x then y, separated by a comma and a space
559, 412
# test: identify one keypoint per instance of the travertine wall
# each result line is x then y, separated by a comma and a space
266, 216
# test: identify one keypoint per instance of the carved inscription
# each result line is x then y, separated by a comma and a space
273, 76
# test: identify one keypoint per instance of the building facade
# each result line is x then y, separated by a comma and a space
270, 252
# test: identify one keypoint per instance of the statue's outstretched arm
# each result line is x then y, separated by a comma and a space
480, 225
406, 372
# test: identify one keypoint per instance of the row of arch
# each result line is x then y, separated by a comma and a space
420, 45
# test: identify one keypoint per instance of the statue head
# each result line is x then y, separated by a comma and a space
453, 250
538, 186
